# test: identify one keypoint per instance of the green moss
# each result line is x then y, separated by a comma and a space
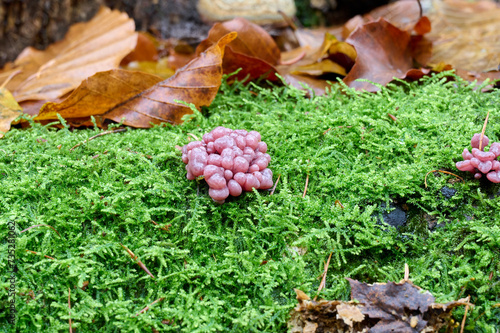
210, 267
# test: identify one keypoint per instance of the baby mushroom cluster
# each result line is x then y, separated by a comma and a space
231, 161
481, 162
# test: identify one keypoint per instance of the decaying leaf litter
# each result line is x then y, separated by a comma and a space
267, 64
399, 31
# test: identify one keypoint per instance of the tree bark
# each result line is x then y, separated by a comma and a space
39, 23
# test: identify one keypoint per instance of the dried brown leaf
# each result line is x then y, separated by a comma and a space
145, 50
9, 111
88, 48
141, 99
252, 40
383, 53
381, 307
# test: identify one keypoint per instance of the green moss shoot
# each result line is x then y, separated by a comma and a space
233, 267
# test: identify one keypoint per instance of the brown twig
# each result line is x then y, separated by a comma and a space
40, 225
133, 256
276, 183
421, 13
465, 315
407, 272
148, 307
10, 78
305, 188
323, 279
43, 255
338, 203
288, 20
193, 136
392, 117
482, 132
69, 306
98, 135
442, 171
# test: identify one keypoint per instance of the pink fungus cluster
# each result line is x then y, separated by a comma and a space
231, 161
481, 162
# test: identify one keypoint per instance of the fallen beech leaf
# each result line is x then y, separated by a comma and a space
320, 68
254, 51
145, 50
252, 40
466, 34
9, 111
331, 57
318, 86
160, 67
379, 308
423, 26
391, 303
252, 68
383, 53
141, 99
87, 48
402, 14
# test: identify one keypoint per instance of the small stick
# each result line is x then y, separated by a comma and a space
147, 307
465, 315
407, 272
328, 130
305, 188
98, 135
193, 136
288, 20
137, 260
482, 132
276, 183
392, 117
43, 255
10, 78
323, 280
442, 171
420, 8
69, 306
40, 225
338, 203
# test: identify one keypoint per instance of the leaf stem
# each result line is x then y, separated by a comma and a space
482, 132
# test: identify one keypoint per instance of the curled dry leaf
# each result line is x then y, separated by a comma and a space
331, 57
254, 50
140, 99
9, 111
381, 307
466, 34
384, 52
252, 40
145, 50
87, 48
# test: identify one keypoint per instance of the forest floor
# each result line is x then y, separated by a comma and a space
234, 267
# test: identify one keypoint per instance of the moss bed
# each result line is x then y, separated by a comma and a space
233, 267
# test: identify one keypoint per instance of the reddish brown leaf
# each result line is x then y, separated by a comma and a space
383, 53
378, 308
90, 47
139, 98
252, 68
254, 51
317, 86
145, 50
9, 110
252, 40
423, 26
421, 49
